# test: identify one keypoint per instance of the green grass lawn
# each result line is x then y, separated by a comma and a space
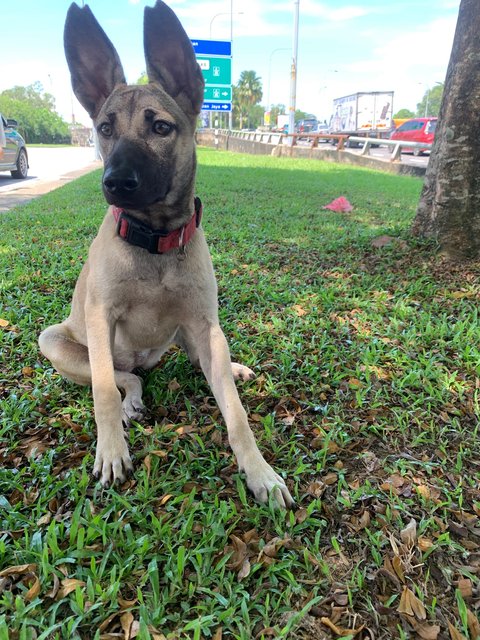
366, 398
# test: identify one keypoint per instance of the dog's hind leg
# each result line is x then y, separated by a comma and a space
70, 359
239, 371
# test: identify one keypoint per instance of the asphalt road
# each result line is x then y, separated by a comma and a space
50, 168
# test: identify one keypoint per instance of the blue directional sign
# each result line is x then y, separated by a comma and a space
212, 47
217, 106
215, 60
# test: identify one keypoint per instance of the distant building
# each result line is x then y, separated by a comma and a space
81, 136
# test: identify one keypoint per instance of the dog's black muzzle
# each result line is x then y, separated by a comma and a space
133, 176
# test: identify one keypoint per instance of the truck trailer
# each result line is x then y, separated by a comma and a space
367, 113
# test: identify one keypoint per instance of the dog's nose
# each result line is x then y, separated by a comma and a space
120, 183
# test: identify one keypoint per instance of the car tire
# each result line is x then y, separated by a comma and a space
21, 171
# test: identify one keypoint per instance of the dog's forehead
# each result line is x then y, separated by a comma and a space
132, 101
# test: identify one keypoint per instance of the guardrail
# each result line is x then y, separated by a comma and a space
396, 144
291, 139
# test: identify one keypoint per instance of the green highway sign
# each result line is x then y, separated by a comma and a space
216, 70
217, 92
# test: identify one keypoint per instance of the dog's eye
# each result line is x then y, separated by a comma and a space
106, 129
162, 128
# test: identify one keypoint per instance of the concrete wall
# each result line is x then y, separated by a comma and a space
231, 143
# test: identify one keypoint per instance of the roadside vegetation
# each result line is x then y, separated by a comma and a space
365, 344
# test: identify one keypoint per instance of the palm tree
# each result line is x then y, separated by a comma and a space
248, 92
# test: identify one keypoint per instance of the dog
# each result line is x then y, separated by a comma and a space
148, 281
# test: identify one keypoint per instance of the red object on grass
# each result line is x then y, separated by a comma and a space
339, 204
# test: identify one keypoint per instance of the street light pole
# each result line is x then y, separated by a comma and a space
293, 74
270, 72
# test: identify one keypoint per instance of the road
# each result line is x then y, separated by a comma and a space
50, 168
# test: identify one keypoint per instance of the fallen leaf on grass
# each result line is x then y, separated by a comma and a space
18, 569
299, 310
411, 605
126, 622
28, 371
173, 385
4, 323
239, 560
34, 590
408, 535
426, 631
340, 631
465, 587
473, 624
67, 586
454, 633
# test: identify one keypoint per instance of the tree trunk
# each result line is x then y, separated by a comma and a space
449, 207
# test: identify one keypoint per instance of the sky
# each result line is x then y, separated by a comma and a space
344, 46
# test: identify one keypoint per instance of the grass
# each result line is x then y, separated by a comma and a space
366, 398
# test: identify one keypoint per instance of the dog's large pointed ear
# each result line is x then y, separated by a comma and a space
170, 58
94, 64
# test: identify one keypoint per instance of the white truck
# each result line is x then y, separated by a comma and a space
13, 152
367, 113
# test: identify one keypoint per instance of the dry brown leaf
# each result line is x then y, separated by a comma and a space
426, 631
218, 634
126, 604
34, 590
473, 624
424, 491
18, 568
398, 568
54, 590
424, 543
160, 453
454, 633
173, 385
330, 478
465, 587
147, 462
340, 631
411, 605
301, 515
67, 586
4, 323
408, 535
106, 623
126, 622
299, 310
28, 371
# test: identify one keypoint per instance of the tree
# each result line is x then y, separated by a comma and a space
449, 207
403, 114
143, 79
430, 103
246, 94
35, 112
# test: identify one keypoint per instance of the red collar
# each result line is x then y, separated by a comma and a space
141, 235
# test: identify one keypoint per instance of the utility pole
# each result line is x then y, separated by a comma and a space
293, 73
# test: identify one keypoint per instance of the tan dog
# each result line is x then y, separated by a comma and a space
148, 281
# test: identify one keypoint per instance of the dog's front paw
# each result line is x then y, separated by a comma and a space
112, 462
263, 481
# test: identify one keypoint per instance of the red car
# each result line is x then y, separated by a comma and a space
416, 130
